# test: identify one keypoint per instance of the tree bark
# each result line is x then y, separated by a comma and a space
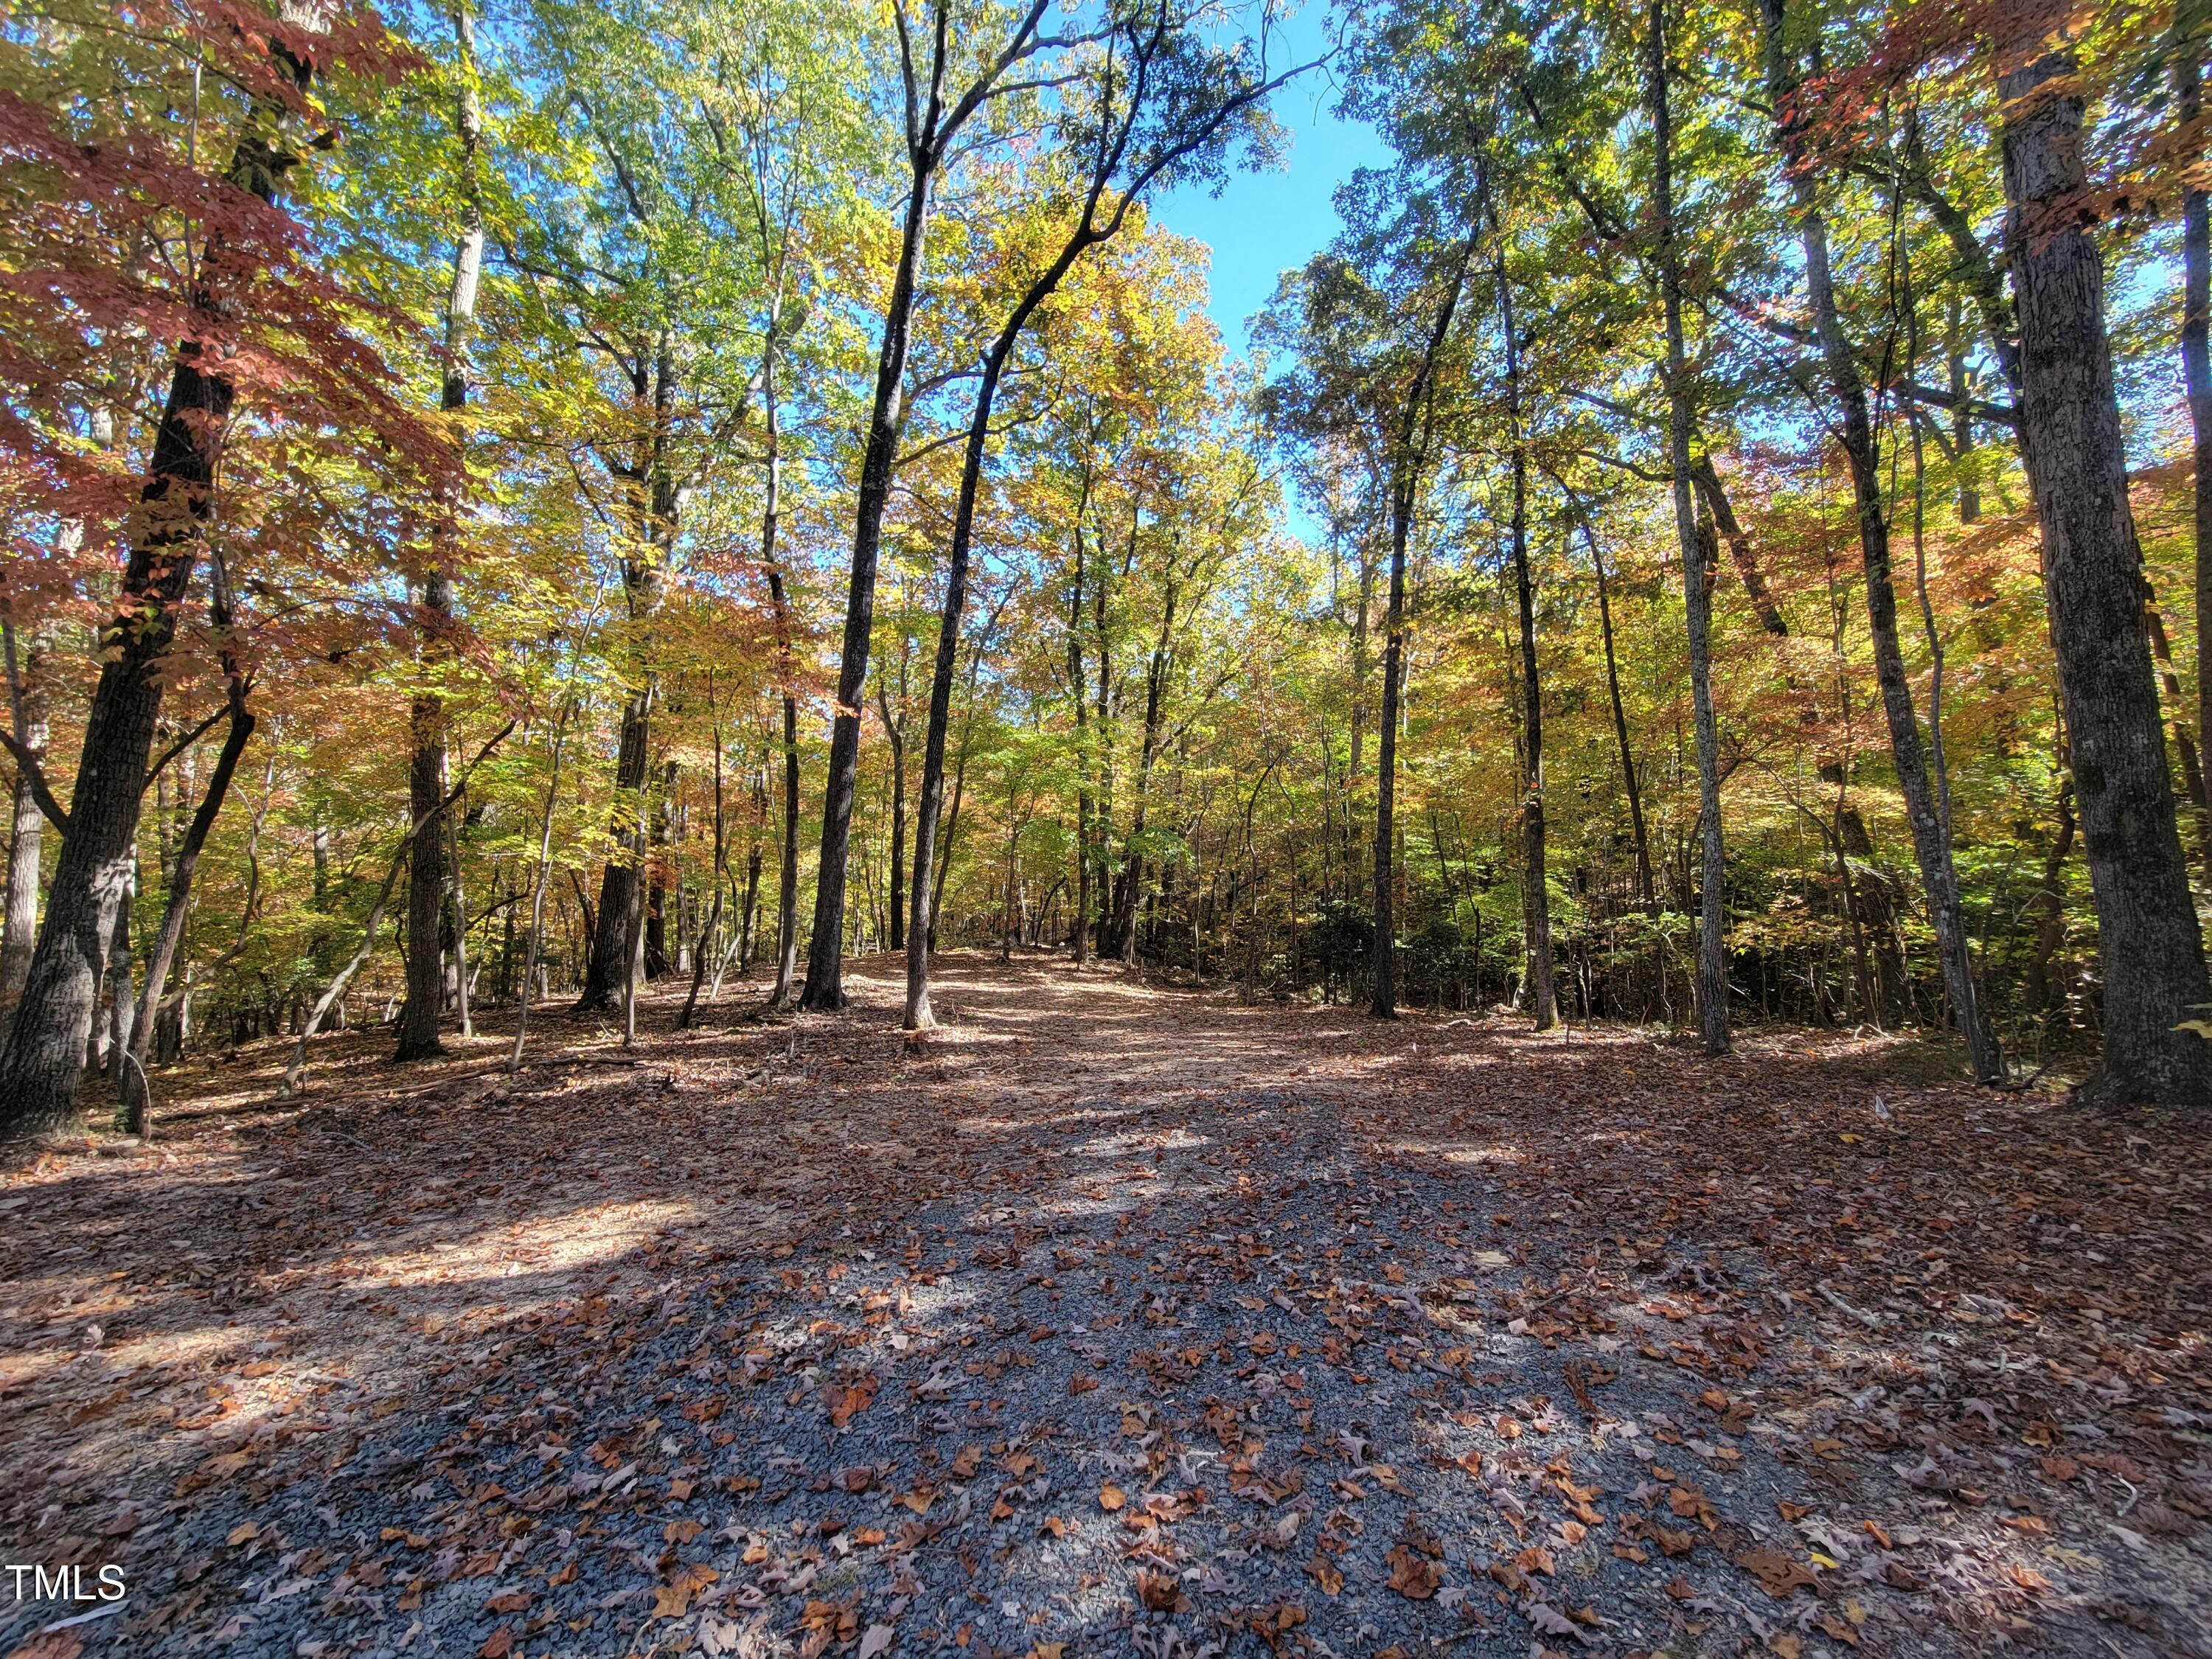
1408, 457
2196, 372
427, 881
1535, 876
1697, 582
825, 987
26, 708
2151, 951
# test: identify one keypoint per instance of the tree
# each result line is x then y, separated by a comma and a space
251, 310
2151, 951
1159, 104
933, 125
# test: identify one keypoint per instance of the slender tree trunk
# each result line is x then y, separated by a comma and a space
749, 919
894, 732
714, 915
1696, 579
1931, 840
43, 1061
132, 1084
2196, 372
1535, 876
786, 903
824, 987
1707, 479
1408, 459
657, 961
27, 707
1646, 888
1077, 682
786, 907
2150, 949
457, 900
537, 892
427, 883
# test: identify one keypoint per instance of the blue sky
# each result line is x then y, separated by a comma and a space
1262, 224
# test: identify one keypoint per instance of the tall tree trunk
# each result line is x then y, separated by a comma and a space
1535, 876
1409, 456
2196, 372
1931, 841
1077, 682
458, 905
427, 881
786, 906
27, 709
825, 985
930, 127
2150, 948
749, 915
1696, 580
43, 1061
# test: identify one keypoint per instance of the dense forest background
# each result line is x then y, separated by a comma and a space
510, 503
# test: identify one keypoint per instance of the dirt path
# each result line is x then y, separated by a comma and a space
1112, 1318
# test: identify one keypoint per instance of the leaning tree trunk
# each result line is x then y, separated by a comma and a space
1696, 580
2150, 948
44, 1059
131, 1082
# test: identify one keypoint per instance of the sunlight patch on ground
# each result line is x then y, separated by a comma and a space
554, 1244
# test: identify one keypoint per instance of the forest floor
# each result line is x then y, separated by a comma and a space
1113, 1318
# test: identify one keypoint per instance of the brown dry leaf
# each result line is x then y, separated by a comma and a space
498, 1644
966, 1461
1319, 1570
1111, 1496
1412, 1575
1776, 1573
847, 1400
1162, 1592
508, 1601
